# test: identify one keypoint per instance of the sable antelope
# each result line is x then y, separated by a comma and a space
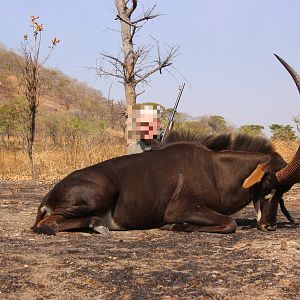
189, 186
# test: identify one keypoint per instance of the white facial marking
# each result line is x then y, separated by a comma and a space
45, 209
271, 195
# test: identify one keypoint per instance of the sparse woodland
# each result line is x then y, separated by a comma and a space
61, 124
77, 126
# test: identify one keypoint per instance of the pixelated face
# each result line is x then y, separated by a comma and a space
143, 122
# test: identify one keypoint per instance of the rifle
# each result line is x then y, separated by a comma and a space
172, 116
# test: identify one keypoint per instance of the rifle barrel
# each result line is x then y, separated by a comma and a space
177, 102
171, 118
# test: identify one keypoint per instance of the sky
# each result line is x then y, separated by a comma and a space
226, 51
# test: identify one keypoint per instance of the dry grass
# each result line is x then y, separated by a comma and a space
286, 149
55, 163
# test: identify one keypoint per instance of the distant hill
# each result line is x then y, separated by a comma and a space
62, 93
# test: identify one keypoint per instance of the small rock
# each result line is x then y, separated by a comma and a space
293, 245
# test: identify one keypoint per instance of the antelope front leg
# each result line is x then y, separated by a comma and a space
202, 219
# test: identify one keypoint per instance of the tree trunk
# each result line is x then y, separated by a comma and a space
31, 160
129, 63
30, 143
130, 94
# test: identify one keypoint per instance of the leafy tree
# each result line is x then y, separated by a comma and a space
13, 117
217, 124
52, 124
7, 120
283, 132
196, 127
255, 130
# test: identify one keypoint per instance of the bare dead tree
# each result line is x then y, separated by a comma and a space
31, 79
297, 122
134, 64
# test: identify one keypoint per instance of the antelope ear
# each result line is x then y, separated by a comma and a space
255, 176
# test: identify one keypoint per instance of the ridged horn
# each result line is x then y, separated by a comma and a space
288, 173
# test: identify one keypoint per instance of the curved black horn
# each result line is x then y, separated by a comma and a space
292, 72
289, 172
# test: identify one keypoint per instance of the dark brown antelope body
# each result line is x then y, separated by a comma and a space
190, 186
183, 186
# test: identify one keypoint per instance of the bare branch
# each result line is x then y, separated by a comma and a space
102, 72
183, 78
109, 90
122, 109
118, 17
49, 54
161, 63
158, 52
148, 15
140, 93
113, 58
111, 29
132, 9
134, 30
136, 24
115, 62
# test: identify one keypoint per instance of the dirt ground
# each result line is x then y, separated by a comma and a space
152, 264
